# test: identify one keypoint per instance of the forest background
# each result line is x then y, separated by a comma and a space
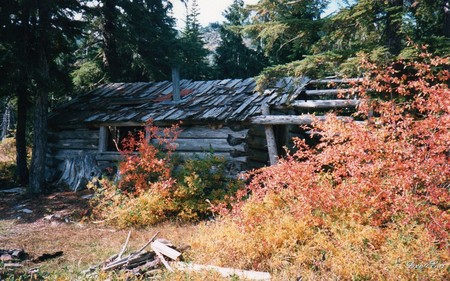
52, 51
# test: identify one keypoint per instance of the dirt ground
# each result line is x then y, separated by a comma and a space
58, 222
67, 206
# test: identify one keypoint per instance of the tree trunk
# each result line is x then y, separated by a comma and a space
22, 172
393, 26
21, 143
37, 171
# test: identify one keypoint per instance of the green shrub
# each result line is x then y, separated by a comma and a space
202, 183
149, 191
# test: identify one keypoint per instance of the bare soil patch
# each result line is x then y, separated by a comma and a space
57, 222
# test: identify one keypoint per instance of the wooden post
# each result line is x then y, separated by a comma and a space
270, 137
176, 83
103, 139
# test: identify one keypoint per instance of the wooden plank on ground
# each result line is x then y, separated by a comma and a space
225, 272
157, 246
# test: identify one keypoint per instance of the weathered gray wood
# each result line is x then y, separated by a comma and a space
206, 132
176, 82
237, 154
284, 119
325, 92
74, 134
157, 246
202, 155
225, 272
62, 154
90, 144
324, 104
291, 119
109, 156
233, 140
164, 262
215, 145
124, 247
78, 171
103, 139
337, 81
270, 137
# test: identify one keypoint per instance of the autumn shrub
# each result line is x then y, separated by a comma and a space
152, 187
369, 202
7, 162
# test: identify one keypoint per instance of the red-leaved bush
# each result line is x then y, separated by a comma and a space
147, 161
393, 168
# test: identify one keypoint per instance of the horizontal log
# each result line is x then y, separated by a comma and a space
238, 153
75, 144
325, 92
205, 132
225, 272
290, 119
324, 104
62, 154
108, 156
74, 134
334, 80
202, 155
215, 145
233, 140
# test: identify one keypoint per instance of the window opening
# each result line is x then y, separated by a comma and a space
116, 135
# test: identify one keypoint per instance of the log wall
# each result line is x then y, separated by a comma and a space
194, 141
68, 144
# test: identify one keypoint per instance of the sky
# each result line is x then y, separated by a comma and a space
211, 10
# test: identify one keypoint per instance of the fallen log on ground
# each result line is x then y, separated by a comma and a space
225, 272
149, 264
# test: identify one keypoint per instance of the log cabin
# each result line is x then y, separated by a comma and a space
229, 118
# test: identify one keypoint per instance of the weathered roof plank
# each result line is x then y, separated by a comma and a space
222, 100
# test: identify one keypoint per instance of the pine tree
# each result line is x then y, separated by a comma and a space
193, 57
38, 35
128, 41
287, 29
233, 58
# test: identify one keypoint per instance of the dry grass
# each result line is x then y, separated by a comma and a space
340, 249
7, 150
84, 245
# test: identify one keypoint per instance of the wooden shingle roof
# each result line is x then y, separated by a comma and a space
230, 100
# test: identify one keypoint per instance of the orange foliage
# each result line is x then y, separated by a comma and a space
145, 164
393, 169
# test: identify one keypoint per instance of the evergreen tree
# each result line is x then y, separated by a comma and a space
287, 29
376, 29
193, 56
128, 41
37, 35
233, 58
